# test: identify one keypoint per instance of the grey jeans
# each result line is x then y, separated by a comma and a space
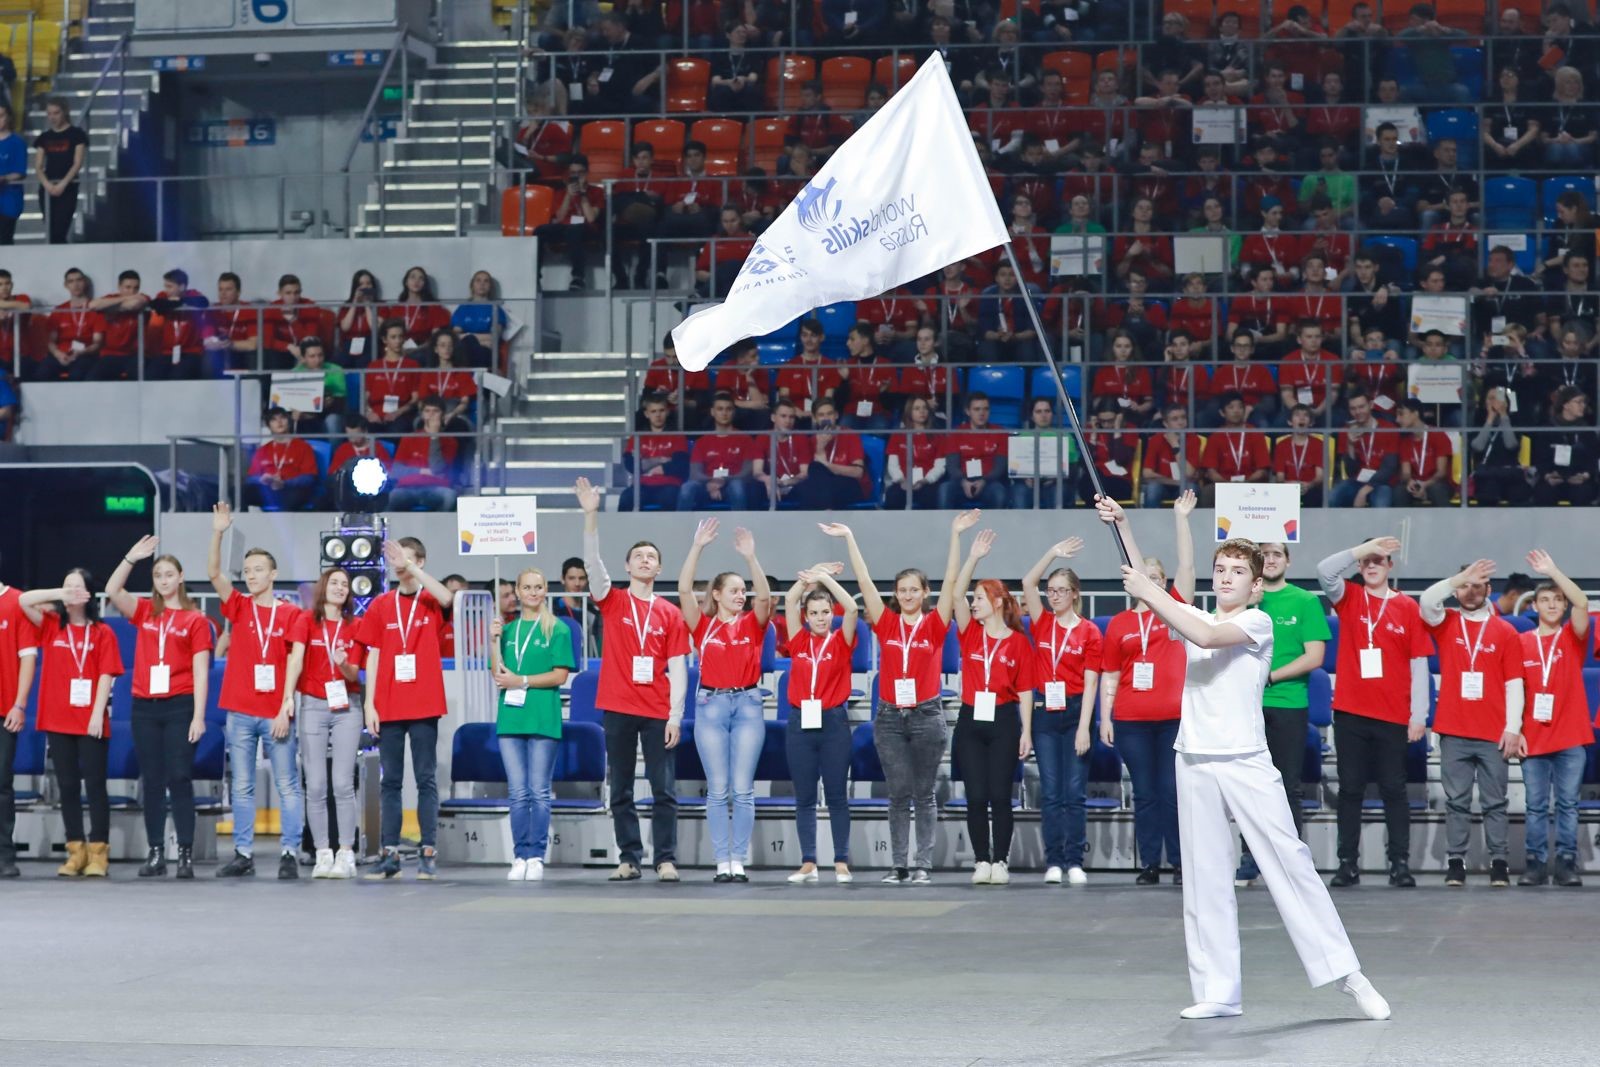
317, 724
910, 744
1463, 760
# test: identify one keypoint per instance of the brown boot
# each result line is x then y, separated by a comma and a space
99, 864
77, 859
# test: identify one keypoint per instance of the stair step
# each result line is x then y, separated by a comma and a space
575, 375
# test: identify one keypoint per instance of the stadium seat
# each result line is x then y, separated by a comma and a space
687, 83
1123, 62
724, 141
766, 143
844, 82
1105, 771
1075, 68
1249, 12
1405, 247
524, 208
1554, 187
581, 696
1330, 653
688, 767
785, 75
836, 319
1339, 14
892, 72
1468, 17
865, 765
876, 452
666, 136
1200, 14
1461, 125
1005, 387
774, 353
1469, 65
1044, 385
605, 143
1509, 204
475, 759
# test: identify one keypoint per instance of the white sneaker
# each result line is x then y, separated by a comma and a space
1000, 873
535, 871
1052, 876
980, 872
1373, 1006
1075, 876
803, 876
518, 872
1208, 1010
324, 867
344, 864
736, 869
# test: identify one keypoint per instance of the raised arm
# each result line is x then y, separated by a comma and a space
792, 621
847, 622
688, 603
33, 601
1431, 602
963, 581
126, 602
396, 557
1031, 600
959, 525
1539, 562
221, 519
1183, 577
1196, 627
589, 500
869, 592
1332, 570
744, 543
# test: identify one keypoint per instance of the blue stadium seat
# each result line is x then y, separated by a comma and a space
1459, 124
789, 331
122, 764
1469, 72
1510, 204
1105, 769
1102, 623
576, 633
1311, 770
773, 353
1402, 68
687, 767
475, 758
861, 651
1043, 384
1524, 623
323, 450
876, 455
1554, 187
950, 658
773, 765
1406, 247
769, 647
836, 321
865, 765
1005, 388
581, 707
1330, 651
1321, 691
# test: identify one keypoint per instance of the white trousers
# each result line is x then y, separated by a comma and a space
1210, 788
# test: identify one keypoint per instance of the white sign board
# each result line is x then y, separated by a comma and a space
298, 392
1200, 255
1030, 455
1434, 383
1216, 125
497, 525
1073, 255
1447, 314
1407, 123
1259, 511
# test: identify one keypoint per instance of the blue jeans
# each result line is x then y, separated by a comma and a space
1562, 156
1344, 495
735, 493
422, 498
1064, 783
823, 753
729, 731
994, 495
1146, 747
424, 734
244, 733
1049, 489
530, 761
1562, 771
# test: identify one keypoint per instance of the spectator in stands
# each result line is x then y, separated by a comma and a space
232, 328
1424, 459
894, 318
444, 379
1005, 329
1112, 451
1573, 301
1575, 226
954, 300
577, 220
1435, 65
1369, 457
60, 153
1555, 721
283, 472
1142, 249
1233, 453
735, 77
636, 207
628, 74
1309, 375
750, 386
1383, 706
20, 359
814, 126
660, 463
1252, 381
720, 464
358, 320
808, 376
838, 464
123, 315
1568, 36
290, 319
1564, 461
481, 324
74, 712
643, 681
1297, 457
1178, 381
694, 201
1504, 293
575, 608
13, 172
1497, 476
181, 352
1509, 130
425, 472
1363, 50
1172, 51
721, 258
979, 454
868, 379
785, 461
854, 23
1386, 199
1370, 301
1171, 459
1262, 315
1130, 387
916, 460
330, 419
1053, 450
1270, 248
543, 141
925, 376
1570, 130
390, 387
419, 310
358, 443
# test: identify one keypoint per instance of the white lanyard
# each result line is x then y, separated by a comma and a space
233, 327
1055, 653
329, 644
522, 645
279, 458
1300, 456
162, 629
1472, 648
1317, 314
988, 655
1422, 453
816, 660
78, 319
642, 629
393, 374
1311, 379
1545, 662
711, 631
1372, 621
905, 642
411, 311
265, 637
1272, 251
78, 658
1367, 442
1145, 626
1238, 453
405, 627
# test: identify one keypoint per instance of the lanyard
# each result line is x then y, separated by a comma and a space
1238, 453
392, 370
1145, 625
411, 312
331, 643
1545, 662
988, 655
162, 629
1422, 455
1055, 653
905, 642
1300, 456
1371, 620
265, 638
1472, 647
1272, 251
711, 632
522, 645
1313, 372
405, 627
642, 629
1391, 173
78, 658
1367, 442
817, 658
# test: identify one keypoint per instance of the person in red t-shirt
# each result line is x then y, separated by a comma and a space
330, 714
810, 375
80, 662
123, 312
358, 444
787, 453
391, 390
171, 680
1424, 458
909, 730
1298, 457
446, 380
729, 729
425, 465
1112, 450
1171, 459
916, 459
419, 310
644, 678
661, 462
834, 479
742, 378
817, 731
1479, 714
265, 656
19, 657
288, 320
180, 353
283, 472
405, 696
576, 220
77, 333
994, 731
1555, 721
233, 329
1310, 375
1380, 702
1369, 455
721, 257
1250, 380
720, 464
1233, 453
979, 459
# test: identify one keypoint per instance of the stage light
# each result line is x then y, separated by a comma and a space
362, 548
368, 477
361, 585
334, 548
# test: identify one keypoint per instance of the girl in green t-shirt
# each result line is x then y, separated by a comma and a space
531, 657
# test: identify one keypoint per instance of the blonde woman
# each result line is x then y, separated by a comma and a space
531, 657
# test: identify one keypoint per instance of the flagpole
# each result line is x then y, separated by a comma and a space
1061, 390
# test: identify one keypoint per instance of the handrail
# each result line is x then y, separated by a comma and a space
372, 101
105, 72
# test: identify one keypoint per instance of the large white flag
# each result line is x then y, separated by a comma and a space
903, 197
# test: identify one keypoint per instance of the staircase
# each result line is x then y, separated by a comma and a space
433, 178
568, 422
106, 21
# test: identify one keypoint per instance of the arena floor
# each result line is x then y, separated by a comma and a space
472, 970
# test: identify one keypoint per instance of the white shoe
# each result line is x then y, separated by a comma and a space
1052, 876
737, 870
1372, 1004
535, 871
344, 864
518, 872
804, 876
724, 868
1208, 1010
843, 877
1000, 873
1075, 876
324, 867
980, 873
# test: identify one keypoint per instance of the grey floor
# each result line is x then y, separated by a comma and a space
473, 970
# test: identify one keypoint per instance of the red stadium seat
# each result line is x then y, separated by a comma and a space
1249, 12
605, 143
766, 143
844, 82
1198, 12
724, 141
687, 83
664, 135
1076, 70
537, 203
1464, 15
892, 73
787, 73
1124, 63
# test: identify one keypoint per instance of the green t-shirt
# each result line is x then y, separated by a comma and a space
541, 714
1296, 618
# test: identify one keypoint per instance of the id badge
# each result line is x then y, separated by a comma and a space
1055, 696
1304, 396
1509, 133
82, 693
905, 692
358, 346
1497, 324
1372, 663
1365, 475
405, 668
974, 468
1561, 455
810, 714
160, 679
516, 698
1144, 676
863, 409
410, 345
1052, 145
1544, 707
644, 670
1471, 685
983, 707
391, 405
605, 75
720, 474
177, 354
338, 695
266, 677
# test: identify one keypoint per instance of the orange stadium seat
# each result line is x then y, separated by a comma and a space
891, 73
664, 135
605, 142
1124, 63
1198, 12
687, 83
723, 138
1339, 13
844, 82
787, 73
1249, 12
537, 202
766, 143
1464, 15
1076, 70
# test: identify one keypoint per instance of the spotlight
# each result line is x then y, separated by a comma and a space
362, 548
361, 585
364, 486
334, 548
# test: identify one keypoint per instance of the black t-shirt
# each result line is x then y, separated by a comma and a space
59, 147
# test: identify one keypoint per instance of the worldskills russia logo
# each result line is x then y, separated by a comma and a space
813, 206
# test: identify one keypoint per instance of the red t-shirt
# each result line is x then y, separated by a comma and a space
18, 637
1374, 446
277, 628
803, 381
624, 619
1498, 660
1064, 655
122, 332
390, 379
986, 448
1134, 637
659, 447
413, 460
926, 449
232, 322
1298, 461
69, 324
397, 625
793, 454
1010, 662
1423, 452
1398, 633
912, 651
445, 384
730, 652
319, 669
182, 327
1200, 319
1236, 454
1129, 385
827, 660
724, 451
421, 321
1160, 457
187, 633
1250, 380
1569, 725
285, 459
62, 645
1314, 374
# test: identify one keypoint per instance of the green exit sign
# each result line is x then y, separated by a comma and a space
126, 505
393, 93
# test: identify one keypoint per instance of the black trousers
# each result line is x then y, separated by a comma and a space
80, 767
58, 211
8, 230
625, 736
823, 490
988, 755
166, 765
1286, 743
1370, 750
8, 796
